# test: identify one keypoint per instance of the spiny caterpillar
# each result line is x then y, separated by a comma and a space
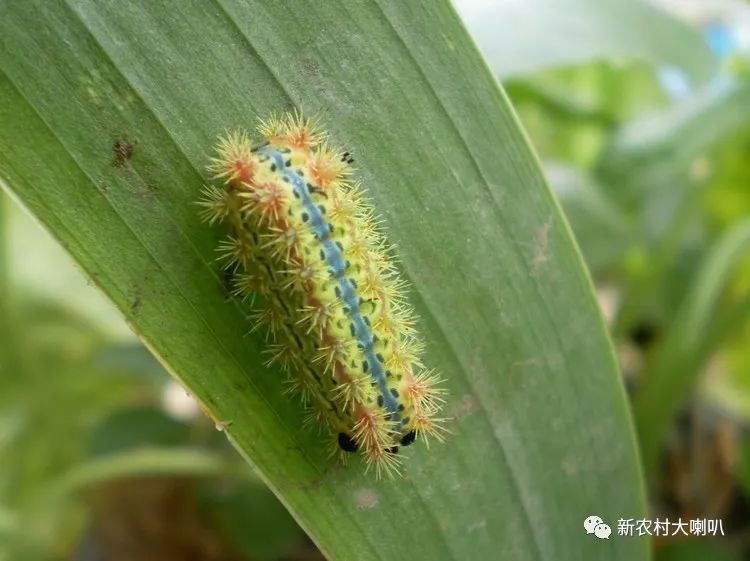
304, 238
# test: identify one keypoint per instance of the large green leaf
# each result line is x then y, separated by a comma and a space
540, 432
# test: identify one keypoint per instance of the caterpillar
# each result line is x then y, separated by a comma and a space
304, 238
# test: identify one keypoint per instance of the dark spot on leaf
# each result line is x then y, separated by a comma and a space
122, 151
135, 305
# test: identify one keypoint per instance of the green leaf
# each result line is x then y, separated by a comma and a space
136, 427
657, 166
655, 151
540, 437
696, 330
523, 37
135, 463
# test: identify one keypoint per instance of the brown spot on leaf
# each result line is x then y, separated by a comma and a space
465, 407
122, 151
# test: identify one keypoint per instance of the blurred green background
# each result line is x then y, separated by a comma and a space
641, 117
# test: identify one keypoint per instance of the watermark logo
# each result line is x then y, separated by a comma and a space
659, 527
595, 525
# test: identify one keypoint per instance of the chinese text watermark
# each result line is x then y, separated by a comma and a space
659, 527
667, 527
